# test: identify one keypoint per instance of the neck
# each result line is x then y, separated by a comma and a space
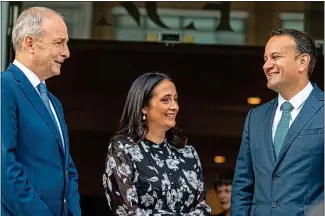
156, 136
293, 90
27, 62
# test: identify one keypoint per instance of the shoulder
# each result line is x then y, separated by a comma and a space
121, 145
7, 79
6, 75
261, 110
265, 106
8, 85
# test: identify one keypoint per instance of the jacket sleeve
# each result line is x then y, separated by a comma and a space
18, 196
117, 180
243, 183
201, 208
74, 197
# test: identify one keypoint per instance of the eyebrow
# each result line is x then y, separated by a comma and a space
169, 95
273, 54
62, 39
276, 53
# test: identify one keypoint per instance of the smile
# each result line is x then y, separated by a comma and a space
170, 115
59, 63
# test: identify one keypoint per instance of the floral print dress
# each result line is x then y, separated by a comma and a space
154, 179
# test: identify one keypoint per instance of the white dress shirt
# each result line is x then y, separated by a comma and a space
32, 77
297, 102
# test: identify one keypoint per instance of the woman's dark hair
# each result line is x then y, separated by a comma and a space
131, 123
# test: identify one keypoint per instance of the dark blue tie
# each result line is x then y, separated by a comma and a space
45, 98
282, 128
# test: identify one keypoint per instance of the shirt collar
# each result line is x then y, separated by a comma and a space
297, 100
31, 76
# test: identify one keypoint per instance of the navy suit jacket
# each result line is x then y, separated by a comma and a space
38, 177
294, 183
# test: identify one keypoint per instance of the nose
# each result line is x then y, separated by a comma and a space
268, 65
66, 52
222, 195
174, 105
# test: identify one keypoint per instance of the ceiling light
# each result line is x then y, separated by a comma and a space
254, 100
219, 159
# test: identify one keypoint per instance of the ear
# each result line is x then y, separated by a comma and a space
29, 44
304, 60
144, 110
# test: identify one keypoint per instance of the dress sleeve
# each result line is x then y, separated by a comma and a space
117, 180
201, 208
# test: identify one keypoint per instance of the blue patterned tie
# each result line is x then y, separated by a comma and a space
45, 98
283, 127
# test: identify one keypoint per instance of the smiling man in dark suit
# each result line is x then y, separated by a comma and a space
280, 166
38, 175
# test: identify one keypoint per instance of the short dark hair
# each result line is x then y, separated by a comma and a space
131, 124
224, 179
304, 44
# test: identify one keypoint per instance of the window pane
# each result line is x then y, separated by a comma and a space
237, 25
170, 22
203, 24
231, 38
128, 21
293, 24
292, 16
130, 34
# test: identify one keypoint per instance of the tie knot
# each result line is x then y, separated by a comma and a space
42, 88
286, 106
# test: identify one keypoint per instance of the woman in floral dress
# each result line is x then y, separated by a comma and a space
150, 170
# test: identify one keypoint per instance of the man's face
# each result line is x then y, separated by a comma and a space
51, 49
281, 65
224, 193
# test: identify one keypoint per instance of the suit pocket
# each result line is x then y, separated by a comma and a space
311, 131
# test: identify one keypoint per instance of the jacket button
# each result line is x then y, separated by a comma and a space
65, 201
275, 177
273, 204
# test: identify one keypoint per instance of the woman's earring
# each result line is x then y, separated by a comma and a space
144, 117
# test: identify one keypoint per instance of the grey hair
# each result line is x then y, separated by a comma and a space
29, 23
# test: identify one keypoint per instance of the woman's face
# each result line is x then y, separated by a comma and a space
163, 107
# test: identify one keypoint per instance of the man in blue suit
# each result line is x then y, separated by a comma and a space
38, 175
280, 166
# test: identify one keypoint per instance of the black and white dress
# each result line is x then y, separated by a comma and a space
154, 179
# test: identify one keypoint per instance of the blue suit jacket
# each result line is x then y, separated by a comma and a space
38, 178
293, 184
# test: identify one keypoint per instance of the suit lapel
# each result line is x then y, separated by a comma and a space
61, 121
313, 103
267, 128
34, 98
